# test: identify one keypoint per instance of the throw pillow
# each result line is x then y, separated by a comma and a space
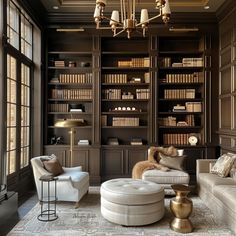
53, 166
173, 162
223, 165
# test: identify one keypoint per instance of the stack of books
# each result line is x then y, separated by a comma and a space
83, 142
136, 141
59, 63
113, 141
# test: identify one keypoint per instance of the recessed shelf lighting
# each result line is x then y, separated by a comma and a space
206, 7
55, 7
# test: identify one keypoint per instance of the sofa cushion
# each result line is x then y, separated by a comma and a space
209, 180
169, 177
227, 194
223, 165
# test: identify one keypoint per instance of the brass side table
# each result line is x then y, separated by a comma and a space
48, 200
181, 206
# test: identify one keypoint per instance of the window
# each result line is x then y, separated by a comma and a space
11, 115
19, 29
25, 115
18, 94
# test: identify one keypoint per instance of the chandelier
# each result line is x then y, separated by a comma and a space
128, 22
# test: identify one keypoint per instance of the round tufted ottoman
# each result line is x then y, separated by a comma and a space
132, 202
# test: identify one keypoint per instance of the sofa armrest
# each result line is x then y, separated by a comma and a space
204, 166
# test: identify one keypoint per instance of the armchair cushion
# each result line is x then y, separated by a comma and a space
53, 166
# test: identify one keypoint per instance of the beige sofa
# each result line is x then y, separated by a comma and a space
218, 193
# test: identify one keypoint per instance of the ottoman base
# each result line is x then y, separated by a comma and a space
132, 202
132, 215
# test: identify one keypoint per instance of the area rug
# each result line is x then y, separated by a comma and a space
87, 220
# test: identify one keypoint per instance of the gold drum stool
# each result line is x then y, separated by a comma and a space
181, 206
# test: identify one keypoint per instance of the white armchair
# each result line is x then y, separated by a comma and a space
72, 185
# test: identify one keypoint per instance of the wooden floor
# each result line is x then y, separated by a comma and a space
26, 203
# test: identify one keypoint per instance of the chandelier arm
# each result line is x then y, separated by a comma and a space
118, 33
148, 20
109, 19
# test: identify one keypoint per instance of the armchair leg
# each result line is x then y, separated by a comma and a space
76, 205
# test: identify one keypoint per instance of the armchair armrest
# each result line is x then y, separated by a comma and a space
69, 169
64, 178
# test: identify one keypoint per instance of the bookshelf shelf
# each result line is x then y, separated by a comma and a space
126, 84
70, 113
71, 53
70, 68
181, 52
124, 127
180, 113
180, 127
124, 113
125, 68
69, 100
77, 127
125, 100
77, 85
127, 53
182, 68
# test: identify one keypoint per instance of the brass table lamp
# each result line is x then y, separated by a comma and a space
70, 123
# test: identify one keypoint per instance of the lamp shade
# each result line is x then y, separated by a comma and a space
101, 2
96, 12
70, 123
144, 16
166, 8
114, 18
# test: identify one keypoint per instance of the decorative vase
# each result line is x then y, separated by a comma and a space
181, 207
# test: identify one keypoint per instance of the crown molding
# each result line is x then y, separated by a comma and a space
225, 10
177, 17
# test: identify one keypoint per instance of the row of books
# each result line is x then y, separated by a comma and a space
116, 94
125, 121
172, 121
84, 78
142, 93
196, 77
111, 93
115, 78
135, 62
188, 107
176, 139
58, 107
71, 93
58, 63
179, 93
192, 62
123, 78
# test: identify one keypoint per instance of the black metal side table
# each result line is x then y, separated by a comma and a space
48, 199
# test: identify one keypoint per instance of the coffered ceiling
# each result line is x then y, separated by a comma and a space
66, 6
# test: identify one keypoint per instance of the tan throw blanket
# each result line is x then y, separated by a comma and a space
153, 161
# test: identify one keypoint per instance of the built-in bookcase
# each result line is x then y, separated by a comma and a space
125, 91
181, 91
